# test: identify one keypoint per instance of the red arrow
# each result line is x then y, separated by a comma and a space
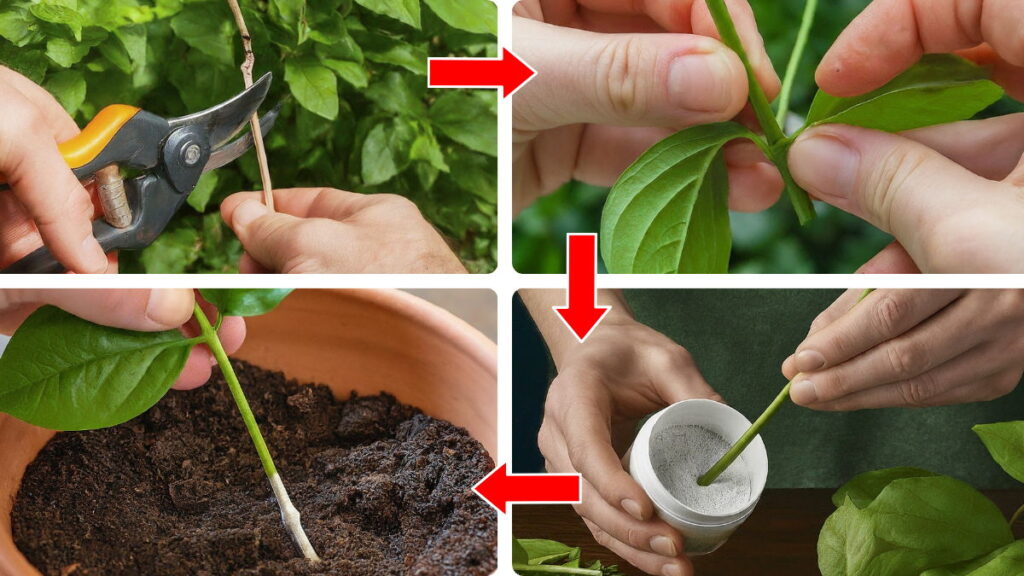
582, 314
500, 488
508, 72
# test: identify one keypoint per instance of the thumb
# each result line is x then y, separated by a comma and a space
275, 240
671, 80
939, 211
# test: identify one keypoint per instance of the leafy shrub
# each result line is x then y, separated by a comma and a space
357, 114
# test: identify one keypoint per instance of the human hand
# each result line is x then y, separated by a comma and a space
951, 195
46, 202
623, 372
617, 77
143, 310
327, 231
911, 348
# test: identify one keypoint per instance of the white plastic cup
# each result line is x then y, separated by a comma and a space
703, 533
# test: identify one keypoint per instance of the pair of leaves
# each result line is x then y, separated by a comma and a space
904, 521
536, 557
64, 373
649, 224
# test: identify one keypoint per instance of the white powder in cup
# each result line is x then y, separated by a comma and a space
680, 454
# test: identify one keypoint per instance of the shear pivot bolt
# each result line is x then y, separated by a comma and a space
191, 154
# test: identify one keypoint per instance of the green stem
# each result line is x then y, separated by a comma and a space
210, 337
762, 109
1017, 516
552, 569
729, 457
794, 61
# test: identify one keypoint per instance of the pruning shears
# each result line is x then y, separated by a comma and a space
172, 155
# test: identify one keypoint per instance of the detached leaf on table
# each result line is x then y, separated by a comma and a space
1005, 442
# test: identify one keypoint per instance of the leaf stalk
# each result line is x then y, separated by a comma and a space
289, 514
1017, 516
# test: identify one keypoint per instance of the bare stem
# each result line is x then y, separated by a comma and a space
1017, 516
289, 514
794, 61
254, 122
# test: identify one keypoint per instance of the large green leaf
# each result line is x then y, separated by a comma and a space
1005, 442
864, 488
68, 87
479, 16
59, 13
914, 524
668, 213
407, 11
1006, 561
313, 85
468, 120
209, 28
244, 302
386, 151
940, 89
64, 373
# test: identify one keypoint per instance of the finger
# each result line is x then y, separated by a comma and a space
893, 259
44, 185
62, 126
746, 26
646, 561
881, 317
653, 535
932, 206
143, 310
676, 378
604, 153
963, 379
917, 351
892, 35
275, 240
755, 184
668, 80
248, 265
990, 148
304, 202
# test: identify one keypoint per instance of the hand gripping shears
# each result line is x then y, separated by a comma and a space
172, 154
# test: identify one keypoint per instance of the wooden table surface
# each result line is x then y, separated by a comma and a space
779, 538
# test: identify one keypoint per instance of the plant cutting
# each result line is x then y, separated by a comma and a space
108, 376
534, 557
668, 212
911, 522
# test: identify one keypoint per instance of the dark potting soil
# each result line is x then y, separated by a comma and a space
382, 488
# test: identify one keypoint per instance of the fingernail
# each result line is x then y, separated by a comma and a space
663, 546
702, 82
672, 570
825, 165
245, 213
809, 361
168, 307
633, 509
95, 259
803, 392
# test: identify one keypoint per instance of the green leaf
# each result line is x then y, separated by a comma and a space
1006, 561
407, 11
57, 13
244, 302
29, 63
313, 85
1005, 442
476, 174
863, 489
395, 93
940, 89
203, 191
477, 16
17, 26
668, 213
210, 29
426, 148
291, 15
351, 72
467, 120
66, 53
384, 50
64, 373
172, 252
68, 87
386, 151
547, 551
913, 525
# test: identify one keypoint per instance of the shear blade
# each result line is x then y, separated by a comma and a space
225, 120
228, 153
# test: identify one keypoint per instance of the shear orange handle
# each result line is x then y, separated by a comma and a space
85, 147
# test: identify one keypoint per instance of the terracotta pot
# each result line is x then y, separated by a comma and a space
363, 340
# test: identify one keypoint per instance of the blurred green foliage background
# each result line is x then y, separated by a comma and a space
767, 242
